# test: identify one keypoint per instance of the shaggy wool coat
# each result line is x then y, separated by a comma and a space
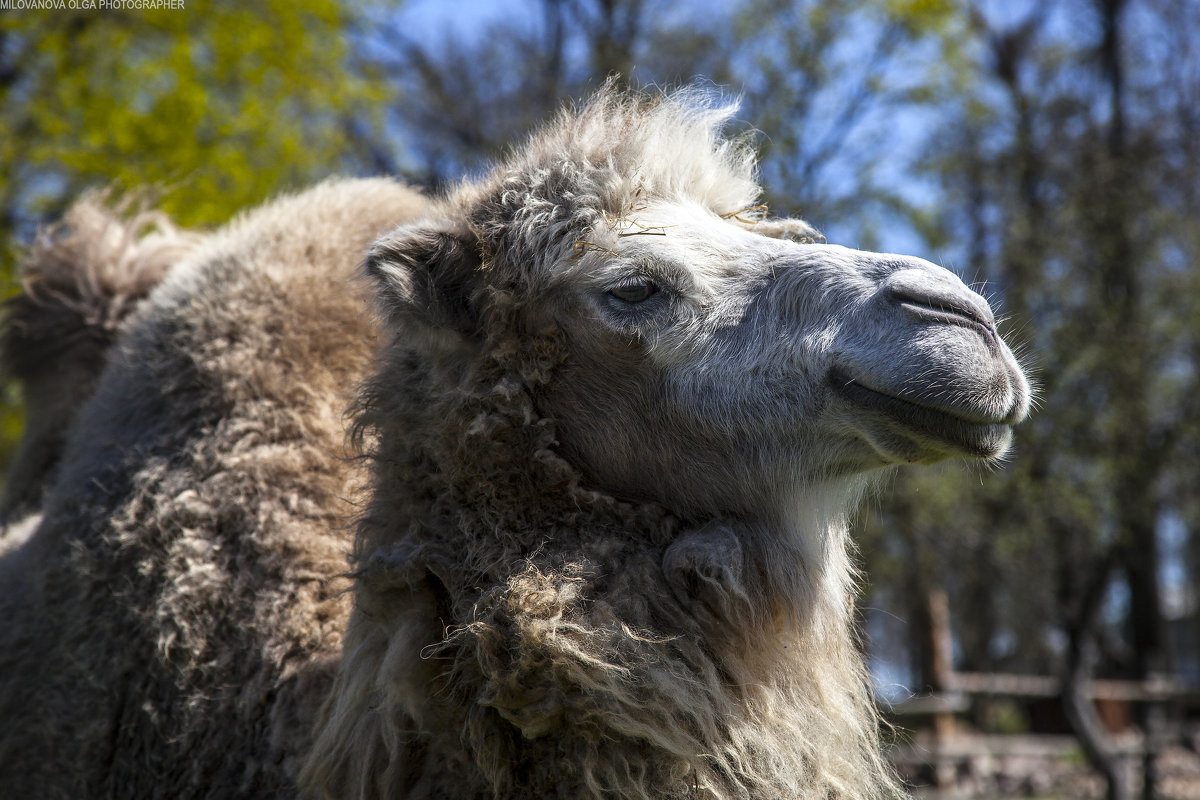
173, 625
489, 594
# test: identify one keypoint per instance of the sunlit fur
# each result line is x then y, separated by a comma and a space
171, 628
601, 549
606, 550
79, 280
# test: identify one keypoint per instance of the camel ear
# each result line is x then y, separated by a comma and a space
428, 274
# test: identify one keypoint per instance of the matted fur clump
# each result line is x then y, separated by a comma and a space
613, 426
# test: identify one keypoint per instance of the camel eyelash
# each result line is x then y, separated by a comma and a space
636, 298
654, 282
636, 291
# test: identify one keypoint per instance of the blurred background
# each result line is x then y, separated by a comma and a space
1033, 629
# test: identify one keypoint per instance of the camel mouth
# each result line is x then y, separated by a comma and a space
910, 430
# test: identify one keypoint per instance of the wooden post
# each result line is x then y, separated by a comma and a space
941, 662
940, 677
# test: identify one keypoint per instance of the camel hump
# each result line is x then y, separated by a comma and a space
84, 274
79, 279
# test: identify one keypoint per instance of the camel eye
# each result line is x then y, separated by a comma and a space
634, 292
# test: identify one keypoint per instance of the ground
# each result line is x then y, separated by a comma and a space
1047, 767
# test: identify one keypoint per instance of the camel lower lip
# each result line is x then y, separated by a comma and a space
961, 433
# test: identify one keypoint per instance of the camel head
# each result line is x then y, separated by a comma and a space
744, 367
622, 413
712, 361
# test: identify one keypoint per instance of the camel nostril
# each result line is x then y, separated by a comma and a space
932, 297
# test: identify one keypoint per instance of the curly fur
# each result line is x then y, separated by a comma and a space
519, 634
79, 280
600, 546
188, 602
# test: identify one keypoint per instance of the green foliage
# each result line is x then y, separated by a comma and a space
1068, 184
219, 106
1070, 192
927, 17
227, 103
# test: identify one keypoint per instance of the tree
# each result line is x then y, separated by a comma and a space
216, 107
1069, 184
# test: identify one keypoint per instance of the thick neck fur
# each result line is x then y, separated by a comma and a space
518, 634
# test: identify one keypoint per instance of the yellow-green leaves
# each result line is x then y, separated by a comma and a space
218, 105
221, 104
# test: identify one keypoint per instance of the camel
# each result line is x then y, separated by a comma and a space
81, 279
187, 581
613, 419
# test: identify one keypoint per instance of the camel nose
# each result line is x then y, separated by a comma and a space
938, 297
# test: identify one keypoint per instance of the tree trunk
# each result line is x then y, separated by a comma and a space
1077, 701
